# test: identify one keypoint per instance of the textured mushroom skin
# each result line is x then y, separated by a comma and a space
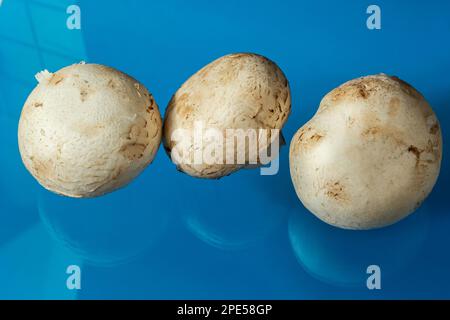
87, 130
369, 156
236, 91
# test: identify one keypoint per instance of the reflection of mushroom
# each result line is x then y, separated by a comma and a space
88, 129
238, 91
369, 156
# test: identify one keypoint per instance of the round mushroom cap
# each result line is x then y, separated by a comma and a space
369, 156
88, 129
234, 95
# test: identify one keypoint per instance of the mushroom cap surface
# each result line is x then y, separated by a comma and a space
87, 130
369, 156
237, 91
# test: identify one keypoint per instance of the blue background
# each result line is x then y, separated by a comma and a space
168, 235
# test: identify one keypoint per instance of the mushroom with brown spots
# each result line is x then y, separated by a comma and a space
375, 170
99, 130
240, 91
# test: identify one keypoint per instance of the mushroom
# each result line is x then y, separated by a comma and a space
87, 130
369, 156
240, 97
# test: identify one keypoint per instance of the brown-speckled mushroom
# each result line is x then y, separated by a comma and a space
237, 91
88, 129
369, 156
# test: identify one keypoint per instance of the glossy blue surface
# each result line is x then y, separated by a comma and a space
168, 235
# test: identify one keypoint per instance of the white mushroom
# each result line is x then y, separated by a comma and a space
88, 129
236, 92
369, 156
